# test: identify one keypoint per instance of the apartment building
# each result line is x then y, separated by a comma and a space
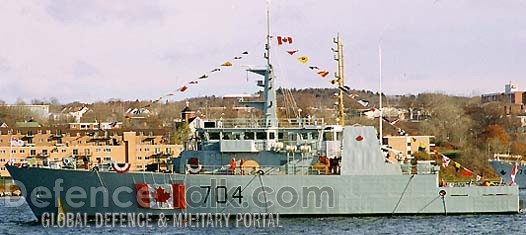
407, 145
513, 100
139, 147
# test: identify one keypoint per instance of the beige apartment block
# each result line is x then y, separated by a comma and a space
138, 147
408, 145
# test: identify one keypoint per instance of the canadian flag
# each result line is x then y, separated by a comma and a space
282, 40
161, 196
16, 142
513, 173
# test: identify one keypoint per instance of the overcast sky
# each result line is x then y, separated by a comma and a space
89, 50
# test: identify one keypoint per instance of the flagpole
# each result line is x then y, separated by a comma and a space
381, 112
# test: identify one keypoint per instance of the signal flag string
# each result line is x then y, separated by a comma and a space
185, 86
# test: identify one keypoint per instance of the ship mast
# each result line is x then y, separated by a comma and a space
269, 104
267, 46
339, 78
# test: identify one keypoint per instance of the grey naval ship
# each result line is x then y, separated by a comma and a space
503, 164
267, 165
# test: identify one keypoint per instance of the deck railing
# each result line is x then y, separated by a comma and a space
262, 123
289, 169
420, 168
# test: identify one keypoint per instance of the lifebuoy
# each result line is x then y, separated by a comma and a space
66, 161
194, 169
121, 167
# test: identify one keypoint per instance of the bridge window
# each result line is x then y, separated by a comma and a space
305, 136
213, 135
271, 135
293, 137
281, 135
249, 135
228, 136
328, 136
261, 135
236, 136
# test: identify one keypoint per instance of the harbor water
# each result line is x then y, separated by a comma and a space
20, 220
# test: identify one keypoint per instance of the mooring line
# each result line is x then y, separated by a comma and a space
264, 193
423, 208
444, 203
402, 196
100, 179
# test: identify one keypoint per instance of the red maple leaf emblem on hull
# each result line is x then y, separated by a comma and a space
161, 195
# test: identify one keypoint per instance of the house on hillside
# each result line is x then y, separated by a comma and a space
76, 112
189, 116
138, 111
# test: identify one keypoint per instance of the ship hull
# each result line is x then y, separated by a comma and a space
283, 194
